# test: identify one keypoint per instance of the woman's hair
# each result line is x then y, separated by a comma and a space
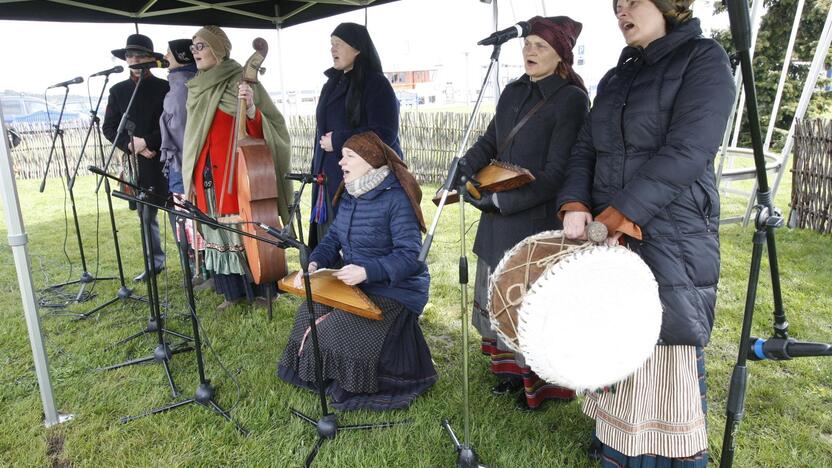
366, 62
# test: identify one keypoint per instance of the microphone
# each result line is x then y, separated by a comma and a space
152, 64
197, 212
116, 69
272, 231
783, 349
301, 177
96, 170
520, 29
64, 84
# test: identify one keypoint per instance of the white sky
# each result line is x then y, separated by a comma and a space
409, 34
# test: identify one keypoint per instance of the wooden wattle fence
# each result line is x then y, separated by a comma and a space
31, 156
811, 198
429, 141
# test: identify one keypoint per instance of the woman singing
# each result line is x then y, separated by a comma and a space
369, 364
643, 166
212, 104
356, 98
544, 110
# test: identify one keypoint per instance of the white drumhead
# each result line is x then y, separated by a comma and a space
592, 319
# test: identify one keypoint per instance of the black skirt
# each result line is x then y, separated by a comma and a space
367, 364
237, 287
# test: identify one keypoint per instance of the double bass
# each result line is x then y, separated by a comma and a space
253, 170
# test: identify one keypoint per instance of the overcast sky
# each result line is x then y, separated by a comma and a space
409, 34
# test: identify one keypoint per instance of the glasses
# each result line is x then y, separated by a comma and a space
135, 54
198, 46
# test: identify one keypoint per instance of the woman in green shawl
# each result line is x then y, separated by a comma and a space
212, 104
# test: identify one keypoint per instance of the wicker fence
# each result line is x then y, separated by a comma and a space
429, 141
31, 156
811, 199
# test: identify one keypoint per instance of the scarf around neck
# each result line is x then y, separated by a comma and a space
367, 182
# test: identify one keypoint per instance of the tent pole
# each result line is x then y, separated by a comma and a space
815, 69
798, 14
18, 241
278, 26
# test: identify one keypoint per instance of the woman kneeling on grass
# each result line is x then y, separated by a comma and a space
369, 364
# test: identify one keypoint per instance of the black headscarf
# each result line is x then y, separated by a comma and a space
366, 62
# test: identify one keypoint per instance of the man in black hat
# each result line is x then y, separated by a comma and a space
146, 137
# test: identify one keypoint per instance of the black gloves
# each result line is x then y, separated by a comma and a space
485, 203
464, 172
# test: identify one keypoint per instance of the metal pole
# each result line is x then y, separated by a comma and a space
808, 89
278, 27
496, 82
756, 6
18, 241
783, 72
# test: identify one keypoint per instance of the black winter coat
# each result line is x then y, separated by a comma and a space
542, 146
145, 113
379, 113
647, 149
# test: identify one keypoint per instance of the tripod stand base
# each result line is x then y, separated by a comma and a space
162, 353
152, 327
82, 296
124, 293
327, 428
204, 396
466, 456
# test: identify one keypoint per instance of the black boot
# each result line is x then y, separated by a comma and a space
510, 385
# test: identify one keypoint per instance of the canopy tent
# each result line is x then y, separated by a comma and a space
266, 14
263, 14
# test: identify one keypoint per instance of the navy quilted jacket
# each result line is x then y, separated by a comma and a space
379, 113
647, 149
379, 231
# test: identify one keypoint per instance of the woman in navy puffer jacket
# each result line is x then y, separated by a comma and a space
370, 364
643, 165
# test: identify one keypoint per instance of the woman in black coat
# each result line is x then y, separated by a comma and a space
356, 98
542, 145
643, 165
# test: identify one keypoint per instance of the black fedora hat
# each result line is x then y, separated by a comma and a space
138, 42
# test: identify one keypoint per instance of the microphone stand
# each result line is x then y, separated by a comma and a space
466, 456
125, 117
204, 394
86, 278
124, 293
327, 426
767, 219
156, 324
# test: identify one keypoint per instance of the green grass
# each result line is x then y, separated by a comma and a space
788, 412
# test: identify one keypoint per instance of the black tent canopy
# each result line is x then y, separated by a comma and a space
263, 14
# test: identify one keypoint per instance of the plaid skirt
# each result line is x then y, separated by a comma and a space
367, 364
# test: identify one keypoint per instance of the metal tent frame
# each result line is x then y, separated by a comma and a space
775, 162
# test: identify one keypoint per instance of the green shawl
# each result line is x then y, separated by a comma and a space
217, 88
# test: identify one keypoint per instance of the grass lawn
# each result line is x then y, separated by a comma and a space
788, 411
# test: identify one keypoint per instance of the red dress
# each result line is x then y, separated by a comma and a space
218, 145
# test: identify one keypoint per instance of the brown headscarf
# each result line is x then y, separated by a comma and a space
560, 32
370, 147
677, 11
